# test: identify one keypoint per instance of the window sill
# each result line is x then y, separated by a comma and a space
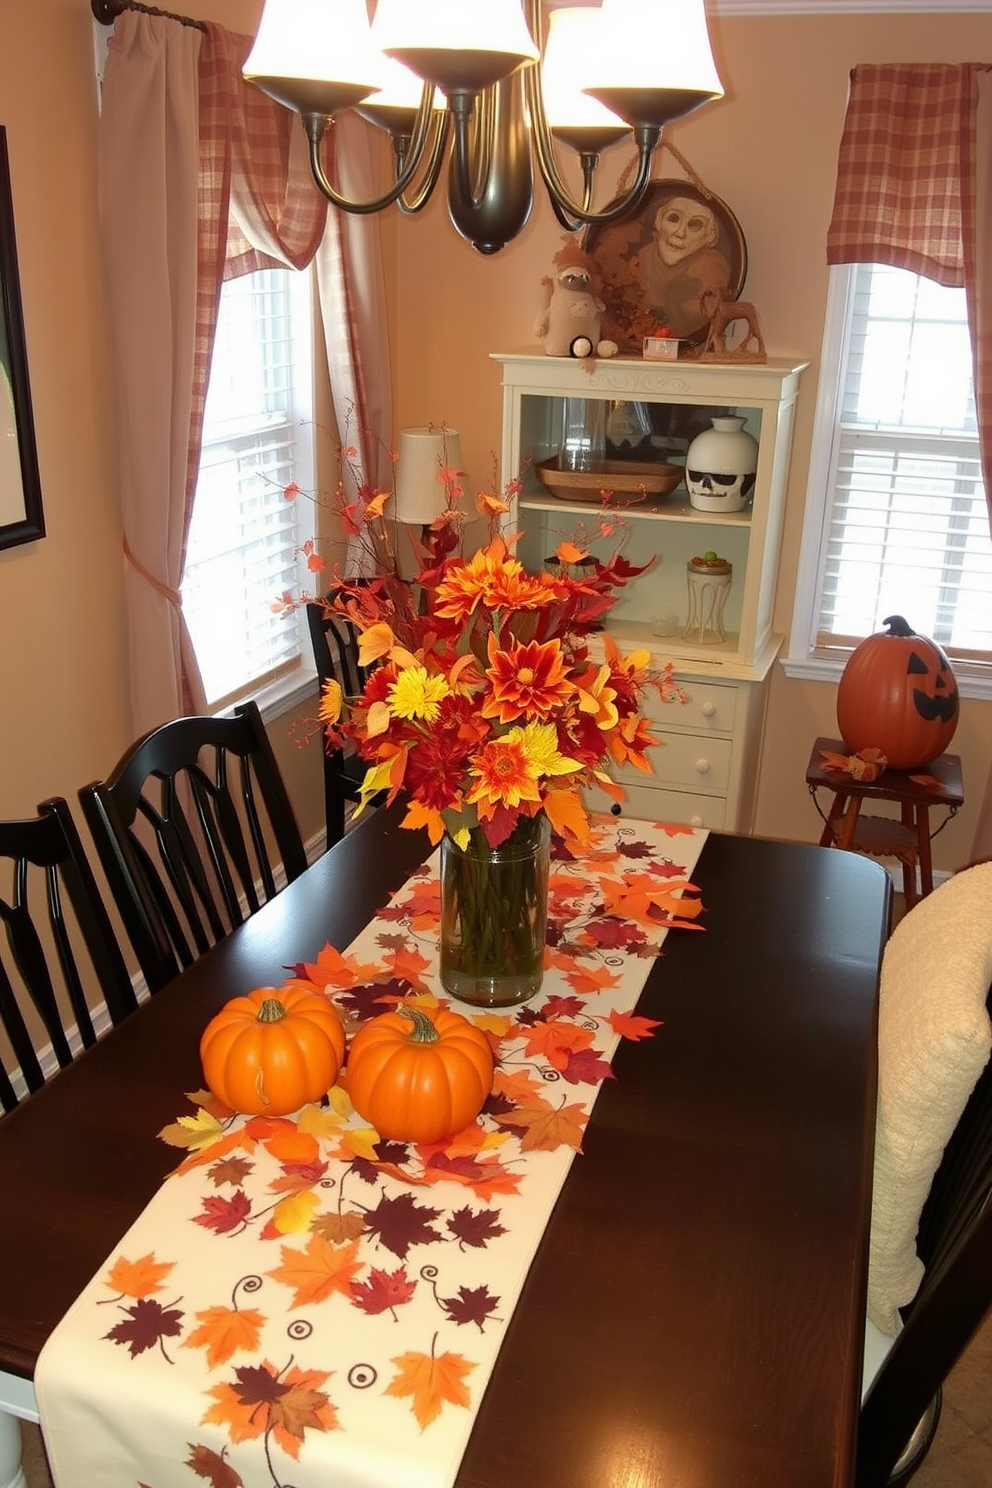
287, 694
820, 669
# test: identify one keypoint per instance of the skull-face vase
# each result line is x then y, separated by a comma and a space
720, 466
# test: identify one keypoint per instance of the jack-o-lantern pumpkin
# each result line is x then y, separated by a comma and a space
898, 694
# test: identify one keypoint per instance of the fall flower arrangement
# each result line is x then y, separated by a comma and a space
485, 704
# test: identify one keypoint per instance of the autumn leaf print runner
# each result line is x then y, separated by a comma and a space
302, 1303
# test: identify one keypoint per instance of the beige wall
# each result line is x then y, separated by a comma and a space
769, 149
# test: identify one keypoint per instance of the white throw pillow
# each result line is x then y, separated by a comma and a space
934, 1040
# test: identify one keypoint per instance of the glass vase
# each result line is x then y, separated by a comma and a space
494, 915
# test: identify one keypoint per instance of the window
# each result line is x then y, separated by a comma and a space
245, 537
896, 519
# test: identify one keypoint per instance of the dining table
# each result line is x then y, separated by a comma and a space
693, 1314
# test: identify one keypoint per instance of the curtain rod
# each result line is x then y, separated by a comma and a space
107, 11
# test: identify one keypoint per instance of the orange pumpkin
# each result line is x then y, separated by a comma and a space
417, 1077
898, 694
273, 1050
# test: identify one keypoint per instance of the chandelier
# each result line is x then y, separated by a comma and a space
477, 82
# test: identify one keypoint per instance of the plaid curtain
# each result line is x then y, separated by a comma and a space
914, 190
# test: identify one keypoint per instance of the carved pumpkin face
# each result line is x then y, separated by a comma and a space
898, 694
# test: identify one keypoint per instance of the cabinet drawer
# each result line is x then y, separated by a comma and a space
645, 803
685, 759
710, 707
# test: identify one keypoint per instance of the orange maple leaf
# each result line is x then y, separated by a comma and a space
289, 1145
554, 1040
633, 1026
585, 979
521, 1087
224, 1331
548, 1127
303, 1407
408, 965
317, 1271
332, 969
138, 1278
247, 1419
431, 1380
640, 895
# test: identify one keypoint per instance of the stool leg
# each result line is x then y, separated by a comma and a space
923, 838
847, 831
831, 829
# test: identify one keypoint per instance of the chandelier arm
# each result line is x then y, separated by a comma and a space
316, 126
646, 137
409, 206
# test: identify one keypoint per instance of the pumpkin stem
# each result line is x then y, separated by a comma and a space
271, 1011
898, 626
424, 1031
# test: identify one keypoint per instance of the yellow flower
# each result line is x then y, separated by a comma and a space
331, 699
417, 695
540, 746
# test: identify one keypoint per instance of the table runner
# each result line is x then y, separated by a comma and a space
302, 1304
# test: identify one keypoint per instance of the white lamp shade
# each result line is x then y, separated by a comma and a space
455, 44
455, 25
420, 493
329, 40
574, 43
656, 44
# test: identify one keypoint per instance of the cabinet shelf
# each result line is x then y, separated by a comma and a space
676, 508
706, 769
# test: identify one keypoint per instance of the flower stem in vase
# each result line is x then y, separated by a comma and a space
494, 911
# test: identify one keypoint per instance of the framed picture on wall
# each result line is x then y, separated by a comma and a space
21, 516
659, 261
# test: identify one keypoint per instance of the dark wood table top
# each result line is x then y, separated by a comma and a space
694, 1312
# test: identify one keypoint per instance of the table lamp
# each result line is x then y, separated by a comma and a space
420, 493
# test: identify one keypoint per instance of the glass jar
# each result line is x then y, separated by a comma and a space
494, 915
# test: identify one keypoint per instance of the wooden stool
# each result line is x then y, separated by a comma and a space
937, 784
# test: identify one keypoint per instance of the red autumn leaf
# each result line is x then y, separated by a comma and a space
206, 1463
475, 1228
148, 1322
384, 1291
223, 1215
472, 1305
585, 1067
401, 1222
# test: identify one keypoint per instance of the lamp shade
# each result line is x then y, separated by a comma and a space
424, 454
315, 55
455, 43
656, 62
570, 55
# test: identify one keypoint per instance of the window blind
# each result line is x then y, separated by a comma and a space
244, 542
907, 529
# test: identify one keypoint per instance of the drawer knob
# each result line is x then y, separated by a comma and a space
696, 821
703, 766
708, 709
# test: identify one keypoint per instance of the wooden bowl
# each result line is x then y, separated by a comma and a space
635, 480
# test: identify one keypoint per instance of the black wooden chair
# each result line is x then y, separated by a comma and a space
901, 1407
335, 654
191, 828
59, 950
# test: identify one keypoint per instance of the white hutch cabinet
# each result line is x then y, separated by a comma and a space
706, 770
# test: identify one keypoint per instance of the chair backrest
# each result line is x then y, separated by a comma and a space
191, 827
335, 654
58, 951
948, 934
